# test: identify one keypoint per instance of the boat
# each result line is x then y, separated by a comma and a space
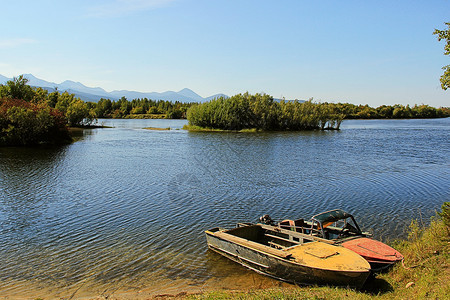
341, 228
289, 256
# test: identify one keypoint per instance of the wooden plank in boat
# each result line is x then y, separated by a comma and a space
296, 234
252, 245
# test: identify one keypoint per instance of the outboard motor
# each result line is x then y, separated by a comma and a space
266, 219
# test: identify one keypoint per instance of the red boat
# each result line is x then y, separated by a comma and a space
378, 254
339, 227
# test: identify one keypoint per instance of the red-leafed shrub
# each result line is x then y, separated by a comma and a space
25, 123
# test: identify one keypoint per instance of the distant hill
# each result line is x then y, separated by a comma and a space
95, 94
3, 79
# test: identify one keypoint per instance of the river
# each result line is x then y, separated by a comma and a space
122, 211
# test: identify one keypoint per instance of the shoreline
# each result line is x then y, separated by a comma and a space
194, 128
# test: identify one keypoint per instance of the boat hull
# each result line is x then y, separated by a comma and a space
379, 255
282, 268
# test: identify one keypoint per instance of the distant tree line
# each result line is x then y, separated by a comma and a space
139, 108
396, 111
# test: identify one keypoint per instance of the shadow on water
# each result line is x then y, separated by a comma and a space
79, 134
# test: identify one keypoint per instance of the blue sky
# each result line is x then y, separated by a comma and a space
361, 52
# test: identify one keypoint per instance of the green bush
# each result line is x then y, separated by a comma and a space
262, 112
23, 124
445, 214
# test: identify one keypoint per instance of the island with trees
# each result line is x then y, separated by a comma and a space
262, 112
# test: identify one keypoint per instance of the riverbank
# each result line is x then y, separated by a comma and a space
81, 128
424, 273
157, 128
195, 128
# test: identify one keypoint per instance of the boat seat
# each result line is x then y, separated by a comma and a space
299, 225
276, 246
294, 225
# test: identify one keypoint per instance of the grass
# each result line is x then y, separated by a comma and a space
81, 128
424, 274
157, 128
146, 116
206, 129
426, 263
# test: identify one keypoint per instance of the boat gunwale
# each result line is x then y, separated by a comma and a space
287, 260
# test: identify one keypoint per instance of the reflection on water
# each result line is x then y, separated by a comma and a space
122, 211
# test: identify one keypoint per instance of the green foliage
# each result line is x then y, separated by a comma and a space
40, 95
445, 214
79, 114
76, 111
123, 108
445, 35
63, 101
445, 78
137, 110
52, 98
17, 89
30, 116
262, 112
397, 111
23, 124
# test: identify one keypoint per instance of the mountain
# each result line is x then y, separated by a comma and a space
190, 94
33, 81
95, 94
77, 86
216, 96
3, 79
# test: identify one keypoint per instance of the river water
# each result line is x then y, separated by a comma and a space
121, 212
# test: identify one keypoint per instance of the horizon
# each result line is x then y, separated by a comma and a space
93, 87
375, 53
205, 98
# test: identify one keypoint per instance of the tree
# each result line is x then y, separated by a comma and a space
52, 98
445, 35
25, 123
64, 101
78, 113
103, 108
17, 89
